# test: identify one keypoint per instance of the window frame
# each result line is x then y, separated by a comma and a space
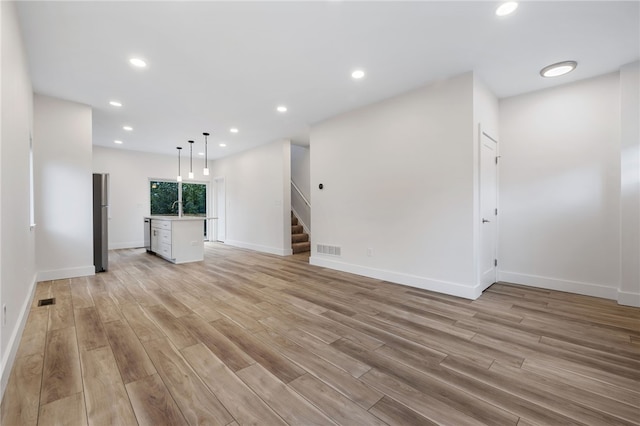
207, 185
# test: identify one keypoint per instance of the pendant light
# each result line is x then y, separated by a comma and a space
206, 165
190, 159
179, 179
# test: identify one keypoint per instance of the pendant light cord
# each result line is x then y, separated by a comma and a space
206, 155
179, 148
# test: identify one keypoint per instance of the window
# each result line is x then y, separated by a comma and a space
194, 199
164, 194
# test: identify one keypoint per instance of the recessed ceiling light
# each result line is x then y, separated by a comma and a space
137, 62
282, 108
357, 74
118, 142
233, 130
223, 145
506, 8
115, 103
127, 128
201, 153
556, 70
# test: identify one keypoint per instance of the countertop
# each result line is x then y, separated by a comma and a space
176, 218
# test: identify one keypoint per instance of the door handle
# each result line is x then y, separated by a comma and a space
485, 220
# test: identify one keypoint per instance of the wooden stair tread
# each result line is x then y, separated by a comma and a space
299, 239
301, 247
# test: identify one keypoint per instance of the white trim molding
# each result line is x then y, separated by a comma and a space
446, 287
14, 341
578, 287
629, 299
126, 245
60, 274
257, 247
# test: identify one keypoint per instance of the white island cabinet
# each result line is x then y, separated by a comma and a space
178, 239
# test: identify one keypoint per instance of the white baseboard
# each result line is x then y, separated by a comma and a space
126, 245
14, 341
629, 299
60, 274
257, 247
446, 287
578, 287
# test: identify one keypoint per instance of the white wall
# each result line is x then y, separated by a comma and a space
485, 119
301, 169
129, 173
629, 293
560, 188
486, 109
398, 179
64, 191
17, 241
258, 197
301, 176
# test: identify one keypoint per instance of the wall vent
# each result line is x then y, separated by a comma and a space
331, 250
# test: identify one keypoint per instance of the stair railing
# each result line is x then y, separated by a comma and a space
301, 207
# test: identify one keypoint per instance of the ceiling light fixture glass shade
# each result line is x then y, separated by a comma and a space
223, 145
127, 128
118, 142
137, 62
282, 108
506, 8
115, 103
558, 69
233, 130
357, 74
190, 159
179, 179
206, 157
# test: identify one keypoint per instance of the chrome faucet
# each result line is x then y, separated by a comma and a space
179, 203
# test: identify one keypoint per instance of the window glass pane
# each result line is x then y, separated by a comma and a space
194, 199
162, 196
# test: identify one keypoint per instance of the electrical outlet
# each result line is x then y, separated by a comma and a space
370, 252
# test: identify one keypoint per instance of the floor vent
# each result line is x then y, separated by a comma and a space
325, 249
45, 302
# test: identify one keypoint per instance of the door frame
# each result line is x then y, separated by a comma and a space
218, 210
482, 134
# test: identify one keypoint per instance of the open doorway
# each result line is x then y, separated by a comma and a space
219, 210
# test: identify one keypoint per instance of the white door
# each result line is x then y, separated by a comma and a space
220, 210
488, 209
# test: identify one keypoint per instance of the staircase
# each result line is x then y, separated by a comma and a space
299, 239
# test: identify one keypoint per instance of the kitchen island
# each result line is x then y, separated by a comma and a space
177, 239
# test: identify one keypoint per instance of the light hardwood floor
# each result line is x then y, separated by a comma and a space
248, 338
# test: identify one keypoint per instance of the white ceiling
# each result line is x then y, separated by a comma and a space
217, 65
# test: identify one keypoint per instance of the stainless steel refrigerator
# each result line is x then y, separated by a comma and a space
100, 221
